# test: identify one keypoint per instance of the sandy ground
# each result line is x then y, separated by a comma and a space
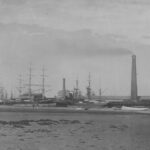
49, 131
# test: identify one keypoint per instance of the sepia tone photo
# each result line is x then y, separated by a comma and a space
74, 75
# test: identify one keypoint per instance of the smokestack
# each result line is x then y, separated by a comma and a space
64, 87
134, 79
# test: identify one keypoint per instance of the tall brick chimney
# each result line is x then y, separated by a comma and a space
133, 79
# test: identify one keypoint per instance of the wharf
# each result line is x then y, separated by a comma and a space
30, 109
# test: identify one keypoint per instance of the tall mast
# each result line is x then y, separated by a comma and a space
1, 92
30, 81
20, 85
77, 83
89, 87
11, 95
100, 89
89, 80
43, 83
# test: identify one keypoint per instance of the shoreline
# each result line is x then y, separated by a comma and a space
73, 110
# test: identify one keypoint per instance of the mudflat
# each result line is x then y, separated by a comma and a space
74, 131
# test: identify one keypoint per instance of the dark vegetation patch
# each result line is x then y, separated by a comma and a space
63, 121
69, 121
96, 136
3, 134
47, 122
92, 145
23, 123
89, 122
82, 141
54, 122
20, 135
113, 126
75, 122
119, 127
16, 124
38, 130
21, 139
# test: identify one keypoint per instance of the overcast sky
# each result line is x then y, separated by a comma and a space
72, 38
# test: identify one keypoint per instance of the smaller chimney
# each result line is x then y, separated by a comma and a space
64, 87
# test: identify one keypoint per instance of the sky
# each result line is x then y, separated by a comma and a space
71, 38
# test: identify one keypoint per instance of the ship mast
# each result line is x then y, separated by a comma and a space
100, 89
20, 85
43, 83
30, 82
89, 87
11, 95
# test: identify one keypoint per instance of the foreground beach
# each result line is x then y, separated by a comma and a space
73, 131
